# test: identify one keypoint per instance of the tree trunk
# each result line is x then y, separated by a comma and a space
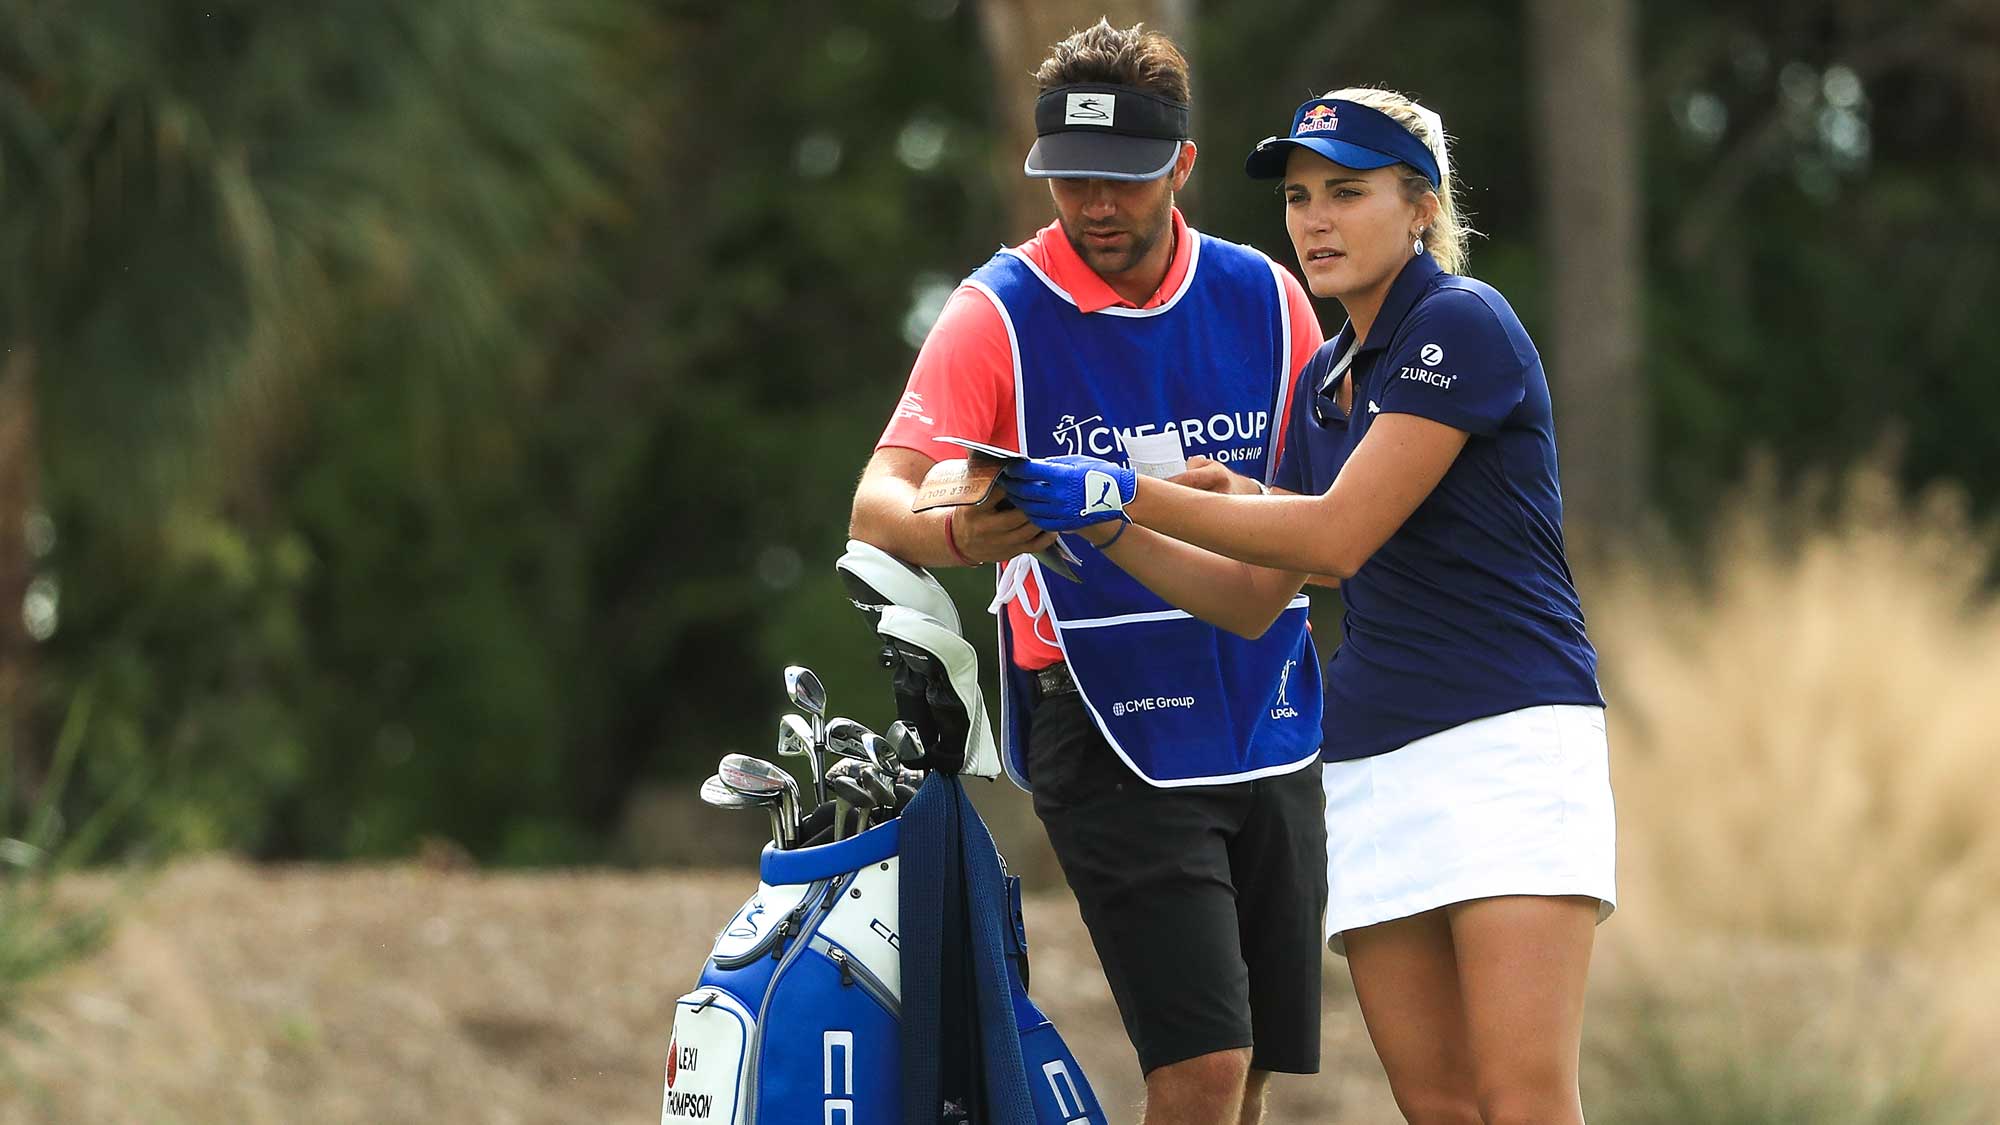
19, 489
1018, 35
1587, 130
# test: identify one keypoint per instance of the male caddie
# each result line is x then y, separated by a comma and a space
1173, 756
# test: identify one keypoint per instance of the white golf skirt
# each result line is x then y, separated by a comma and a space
1513, 804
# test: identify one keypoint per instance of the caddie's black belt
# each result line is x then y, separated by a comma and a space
1055, 680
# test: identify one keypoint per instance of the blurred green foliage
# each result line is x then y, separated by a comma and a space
450, 410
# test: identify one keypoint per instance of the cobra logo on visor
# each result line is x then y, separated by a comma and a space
1090, 109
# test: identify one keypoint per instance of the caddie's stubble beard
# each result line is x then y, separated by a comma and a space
1144, 236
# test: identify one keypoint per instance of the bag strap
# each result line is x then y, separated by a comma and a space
961, 1046
926, 885
992, 923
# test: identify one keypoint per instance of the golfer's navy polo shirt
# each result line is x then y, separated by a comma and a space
1468, 610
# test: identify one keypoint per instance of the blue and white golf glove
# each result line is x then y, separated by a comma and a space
1069, 492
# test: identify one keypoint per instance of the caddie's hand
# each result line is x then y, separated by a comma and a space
1069, 492
986, 532
1212, 476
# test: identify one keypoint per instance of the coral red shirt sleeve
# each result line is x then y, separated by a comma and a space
962, 384
1306, 339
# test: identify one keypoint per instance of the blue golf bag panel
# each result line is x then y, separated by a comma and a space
1062, 1095
827, 1026
839, 1062
1056, 1083
1181, 701
971, 1037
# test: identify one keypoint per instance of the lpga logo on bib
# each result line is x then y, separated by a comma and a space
1284, 708
1156, 703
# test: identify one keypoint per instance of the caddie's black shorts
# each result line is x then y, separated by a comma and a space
1204, 902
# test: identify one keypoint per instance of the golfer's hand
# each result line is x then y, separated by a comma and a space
1070, 492
986, 532
1211, 476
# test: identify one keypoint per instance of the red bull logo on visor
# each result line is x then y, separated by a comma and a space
1318, 119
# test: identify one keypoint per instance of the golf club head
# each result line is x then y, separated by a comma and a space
714, 792
797, 740
850, 789
845, 728
879, 753
847, 769
795, 737
905, 745
758, 777
882, 786
753, 776
717, 792
854, 786
805, 691
848, 739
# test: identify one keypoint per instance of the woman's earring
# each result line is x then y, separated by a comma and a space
1418, 246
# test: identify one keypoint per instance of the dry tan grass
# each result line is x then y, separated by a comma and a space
1805, 743
1805, 734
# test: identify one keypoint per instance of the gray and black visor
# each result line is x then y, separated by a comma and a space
1096, 131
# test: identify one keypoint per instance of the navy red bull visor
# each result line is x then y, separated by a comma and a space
1350, 134
1101, 132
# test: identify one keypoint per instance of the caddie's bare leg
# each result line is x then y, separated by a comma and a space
1204, 1090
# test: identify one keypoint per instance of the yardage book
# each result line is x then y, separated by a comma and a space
970, 480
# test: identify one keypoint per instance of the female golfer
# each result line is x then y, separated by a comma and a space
1468, 800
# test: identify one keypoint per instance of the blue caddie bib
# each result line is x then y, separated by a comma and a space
1181, 701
